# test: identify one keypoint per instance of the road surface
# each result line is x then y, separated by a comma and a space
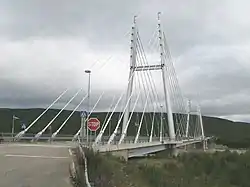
29, 165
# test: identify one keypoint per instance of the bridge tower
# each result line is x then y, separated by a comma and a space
202, 129
188, 118
161, 66
131, 75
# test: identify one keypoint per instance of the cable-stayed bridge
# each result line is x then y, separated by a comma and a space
153, 115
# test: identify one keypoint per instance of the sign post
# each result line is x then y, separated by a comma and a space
83, 125
13, 125
50, 133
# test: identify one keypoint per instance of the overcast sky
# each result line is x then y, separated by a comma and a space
45, 46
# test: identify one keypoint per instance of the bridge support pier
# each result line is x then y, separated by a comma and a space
205, 147
174, 151
122, 154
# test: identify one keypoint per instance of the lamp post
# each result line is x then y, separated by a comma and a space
161, 124
89, 73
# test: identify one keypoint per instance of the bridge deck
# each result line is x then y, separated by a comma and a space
106, 148
127, 146
34, 165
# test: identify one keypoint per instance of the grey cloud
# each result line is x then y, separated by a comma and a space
105, 22
98, 21
220, 79
245, 118
45, 47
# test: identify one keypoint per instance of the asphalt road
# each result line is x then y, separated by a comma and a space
24, 165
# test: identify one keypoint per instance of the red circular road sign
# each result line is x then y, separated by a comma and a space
93, 124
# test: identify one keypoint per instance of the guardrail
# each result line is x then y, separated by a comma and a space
72, 167
8, 137
85, 166
78, 167
85, 163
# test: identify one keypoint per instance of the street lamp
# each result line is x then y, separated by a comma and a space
89, 73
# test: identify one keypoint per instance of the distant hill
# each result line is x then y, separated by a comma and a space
234, 134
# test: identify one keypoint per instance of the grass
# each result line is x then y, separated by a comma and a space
189, 169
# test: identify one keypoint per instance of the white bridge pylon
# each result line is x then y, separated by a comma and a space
140, 82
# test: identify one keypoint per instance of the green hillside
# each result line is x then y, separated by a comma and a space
234, 134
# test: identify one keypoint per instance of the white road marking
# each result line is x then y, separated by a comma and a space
70, 152
35, 156
72, 161
36, 145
